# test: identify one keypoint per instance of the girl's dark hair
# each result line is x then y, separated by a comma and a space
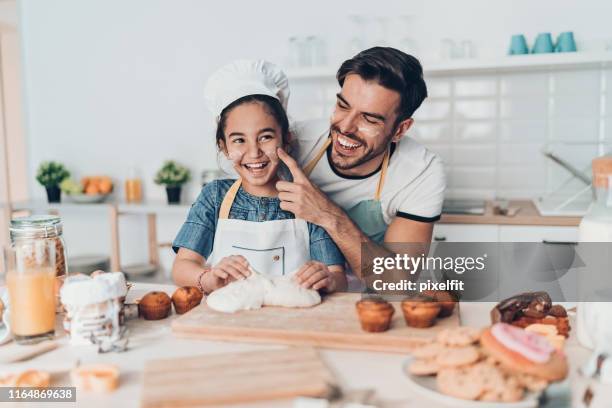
392, 69
270, 104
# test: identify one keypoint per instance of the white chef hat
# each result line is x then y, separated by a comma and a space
242, 78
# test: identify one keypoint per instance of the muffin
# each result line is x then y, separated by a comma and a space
155, 306
186, 298
420, 311
446, 300
374, 314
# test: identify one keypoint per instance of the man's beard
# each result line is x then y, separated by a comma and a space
368, 155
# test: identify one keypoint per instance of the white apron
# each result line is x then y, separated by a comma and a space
273, 248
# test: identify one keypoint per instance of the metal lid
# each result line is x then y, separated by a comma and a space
36, 226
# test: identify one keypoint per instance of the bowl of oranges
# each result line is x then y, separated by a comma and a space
92, 189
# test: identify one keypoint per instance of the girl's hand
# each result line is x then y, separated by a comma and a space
315, 275
230, 268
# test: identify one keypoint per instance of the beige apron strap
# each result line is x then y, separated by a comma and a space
311, 165
228, 200
383, 173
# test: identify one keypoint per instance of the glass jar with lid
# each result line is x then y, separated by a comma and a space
29, 234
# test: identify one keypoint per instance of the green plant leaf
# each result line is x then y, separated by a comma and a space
172, 174
51, 173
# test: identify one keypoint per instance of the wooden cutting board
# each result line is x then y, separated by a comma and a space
235, 378
333, 324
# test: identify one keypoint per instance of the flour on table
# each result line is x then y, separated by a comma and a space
285, 292
244, 294
257, 291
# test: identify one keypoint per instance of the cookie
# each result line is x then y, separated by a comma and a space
498, 386
424, 367
512, 391
428, 351
491, 374
458, 336
460, 382
457, 356
509, 393
531, 383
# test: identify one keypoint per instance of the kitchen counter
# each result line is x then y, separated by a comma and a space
528, 214
355, 370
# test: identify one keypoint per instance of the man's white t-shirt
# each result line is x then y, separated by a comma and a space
413, 187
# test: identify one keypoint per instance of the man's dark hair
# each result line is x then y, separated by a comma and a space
270, 104
392, 69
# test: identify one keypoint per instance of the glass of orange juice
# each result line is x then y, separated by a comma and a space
30, 278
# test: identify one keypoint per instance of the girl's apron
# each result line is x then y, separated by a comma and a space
273, 248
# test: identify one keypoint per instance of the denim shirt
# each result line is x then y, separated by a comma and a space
198, 231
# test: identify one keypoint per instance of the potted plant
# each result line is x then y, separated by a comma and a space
173, 176
50, 175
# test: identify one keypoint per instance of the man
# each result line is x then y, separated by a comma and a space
363, 180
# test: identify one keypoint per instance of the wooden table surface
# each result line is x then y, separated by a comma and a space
355, 370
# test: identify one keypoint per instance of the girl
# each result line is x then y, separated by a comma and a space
237, 224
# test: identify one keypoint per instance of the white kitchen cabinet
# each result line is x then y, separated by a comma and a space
537, 233
503, 233
465, 233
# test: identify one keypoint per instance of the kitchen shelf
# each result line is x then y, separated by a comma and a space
41, 205
512, 63
158, 207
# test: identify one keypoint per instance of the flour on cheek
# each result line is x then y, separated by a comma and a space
236, 157
271, 153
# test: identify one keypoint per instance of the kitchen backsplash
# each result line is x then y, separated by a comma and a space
491, 129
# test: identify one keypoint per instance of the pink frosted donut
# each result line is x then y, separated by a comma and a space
532, 346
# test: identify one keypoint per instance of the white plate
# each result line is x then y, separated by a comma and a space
87, 198
426, 386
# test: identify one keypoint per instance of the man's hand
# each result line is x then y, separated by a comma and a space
303, 198
315, 275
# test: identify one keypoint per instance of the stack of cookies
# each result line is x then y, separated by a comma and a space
497, 365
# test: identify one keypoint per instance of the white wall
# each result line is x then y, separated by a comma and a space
120, 82
13, 183
110, 84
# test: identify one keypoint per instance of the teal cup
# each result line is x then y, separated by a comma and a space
565, 42
543, 44
518, 45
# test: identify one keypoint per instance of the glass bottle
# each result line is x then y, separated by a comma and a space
133, 188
